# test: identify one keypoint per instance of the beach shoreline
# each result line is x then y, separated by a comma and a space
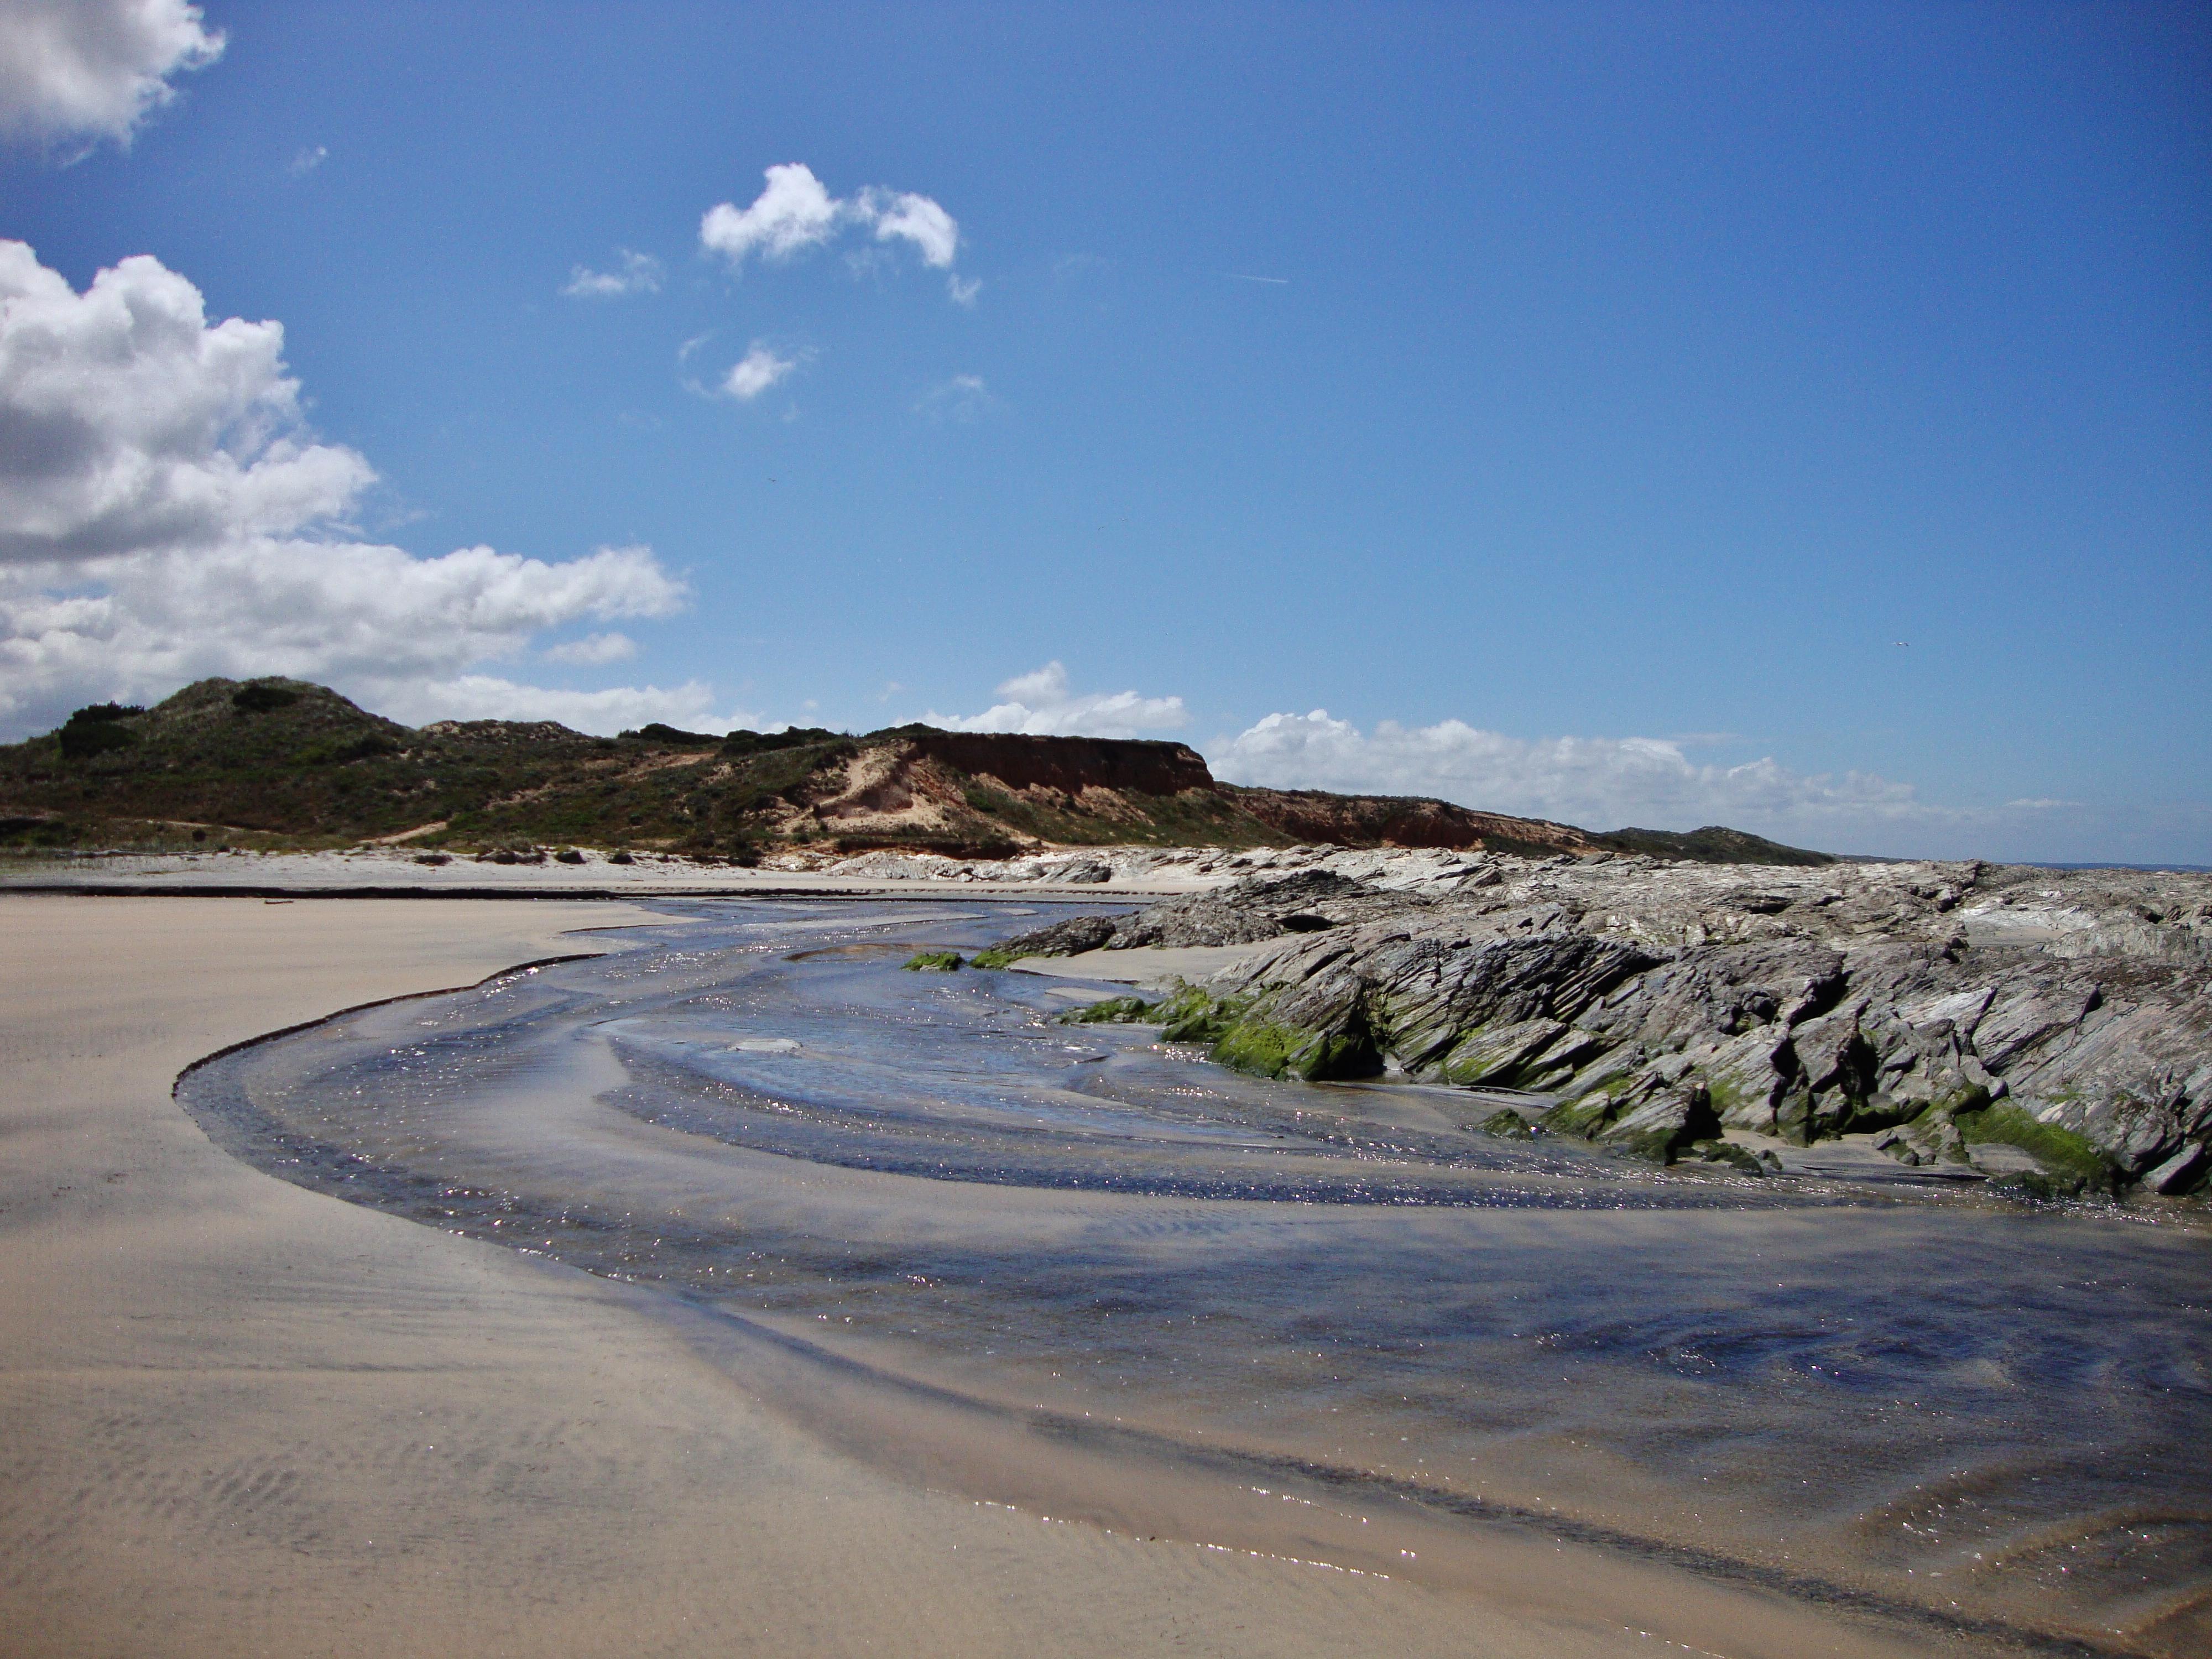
242, 1417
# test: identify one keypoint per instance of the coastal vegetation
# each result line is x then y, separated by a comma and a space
274, 763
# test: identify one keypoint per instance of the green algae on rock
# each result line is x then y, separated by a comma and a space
932, 961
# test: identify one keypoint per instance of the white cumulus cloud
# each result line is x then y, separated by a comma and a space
127, 423
376, 621
82, 71
640, 273
756, 372
792, 213
1599, 782
689, 706
166, 515
795, 212
1043, 703
594, 649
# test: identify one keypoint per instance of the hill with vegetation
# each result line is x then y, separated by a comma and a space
270, 763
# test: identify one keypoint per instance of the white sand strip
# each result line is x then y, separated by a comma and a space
1151, 966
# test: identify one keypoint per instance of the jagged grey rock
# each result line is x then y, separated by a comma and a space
2064, 1014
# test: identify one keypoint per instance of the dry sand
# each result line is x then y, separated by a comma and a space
239, 1417
385, 872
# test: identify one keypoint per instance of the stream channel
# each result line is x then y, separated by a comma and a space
1072, 1269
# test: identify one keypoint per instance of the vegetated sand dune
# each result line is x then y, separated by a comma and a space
277, 763
238, 1417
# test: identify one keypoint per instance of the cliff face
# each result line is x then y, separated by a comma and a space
1067, 765
277, 762
1316, 815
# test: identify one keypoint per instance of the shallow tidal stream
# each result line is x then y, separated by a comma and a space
1072, 1269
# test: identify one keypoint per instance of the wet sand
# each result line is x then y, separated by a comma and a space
240, 1417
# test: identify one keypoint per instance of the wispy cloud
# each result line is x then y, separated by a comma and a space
639, 273
964, 398
306, 160
1241, 276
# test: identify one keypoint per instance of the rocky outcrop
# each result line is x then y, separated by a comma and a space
1246, 912
1656, 1007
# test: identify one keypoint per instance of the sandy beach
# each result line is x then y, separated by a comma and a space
1081, 830
244, 1419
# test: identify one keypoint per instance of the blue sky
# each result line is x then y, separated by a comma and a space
1624, 385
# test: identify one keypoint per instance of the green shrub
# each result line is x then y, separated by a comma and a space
258, 698
82, 740
671, 736
341, 753
756, 743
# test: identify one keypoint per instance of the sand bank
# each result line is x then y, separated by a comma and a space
395, 873
236, 1417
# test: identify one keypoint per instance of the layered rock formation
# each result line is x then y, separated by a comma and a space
1948, 1009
